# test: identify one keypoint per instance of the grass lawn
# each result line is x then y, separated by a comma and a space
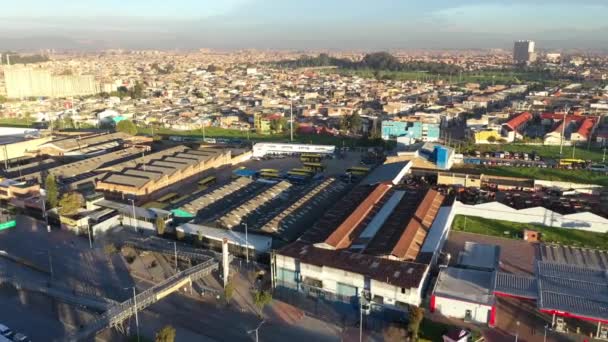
562, 175
514, 230
15, 122
551, 152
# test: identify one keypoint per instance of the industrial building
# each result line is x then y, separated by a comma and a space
25, 81
144, 178
89, 144
568, 282
410, 132
80, 174
368, 244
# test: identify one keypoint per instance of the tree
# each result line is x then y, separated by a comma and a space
52, 192
70, 203
160, 225
126, 126
416, 315
344, 123
137, 91
199, 238
355, 122
261, 299
491, 139
229, 291
166, 334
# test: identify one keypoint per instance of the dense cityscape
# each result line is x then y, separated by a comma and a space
208, 194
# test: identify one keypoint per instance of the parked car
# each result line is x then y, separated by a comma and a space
19, 337
5, 331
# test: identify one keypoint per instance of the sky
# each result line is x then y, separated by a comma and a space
304, 24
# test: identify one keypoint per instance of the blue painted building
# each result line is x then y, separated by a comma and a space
420, 131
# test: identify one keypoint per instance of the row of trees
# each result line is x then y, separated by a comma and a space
380, 61
135, 92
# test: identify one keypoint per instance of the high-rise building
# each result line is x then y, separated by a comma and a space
33, 82
523, 52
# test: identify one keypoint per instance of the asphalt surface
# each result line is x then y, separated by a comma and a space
92, 271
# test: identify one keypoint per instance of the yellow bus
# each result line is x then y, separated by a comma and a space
207, 181
569, 162
310, 157
358, 169
301, 174
309, 172
168, 197
317, 167
269, 171
270, 175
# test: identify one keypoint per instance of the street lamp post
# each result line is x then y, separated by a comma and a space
517, 331
134, 219
46, 217
175, 251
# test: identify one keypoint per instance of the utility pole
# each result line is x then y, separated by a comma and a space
246, 245
291, 118
561, 145
573, 149
50, 263
90, 240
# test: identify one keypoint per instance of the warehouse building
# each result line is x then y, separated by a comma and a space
153, 175
368, 244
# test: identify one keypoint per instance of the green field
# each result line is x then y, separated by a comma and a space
216, 132
550, 152
561, 175
482, 76
514, 230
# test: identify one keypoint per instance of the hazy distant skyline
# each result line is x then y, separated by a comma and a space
323, 24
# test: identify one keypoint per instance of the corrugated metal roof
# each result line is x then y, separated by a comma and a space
413, 236
342, 237
573, 289
516, 285
465, 284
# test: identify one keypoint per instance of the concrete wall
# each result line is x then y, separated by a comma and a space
457, 309
592, 189
104, 226
537, 215
330, 278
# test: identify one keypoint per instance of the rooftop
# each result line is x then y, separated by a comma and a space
460, 283
398, 273
479, 256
